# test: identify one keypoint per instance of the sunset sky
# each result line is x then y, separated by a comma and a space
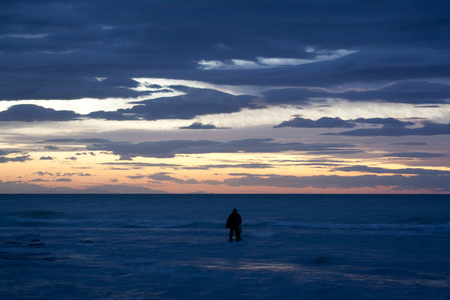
259, 96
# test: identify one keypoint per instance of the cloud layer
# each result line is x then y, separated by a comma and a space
324, 95
164, 149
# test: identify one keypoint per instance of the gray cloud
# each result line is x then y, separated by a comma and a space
321, 123
227, 166
136, 165
429, 181
396, 40
428, 128
326, 122
414, 155
85, 153
32, 113
4, 159
69, 140
196, 102
73, 174
411, 144
199, 125
46, 158
171, 148
40, 173
414, 92
136, 176
406, 171
163, 176
51, 148
38, 180
425, 180
389, 122
63, 180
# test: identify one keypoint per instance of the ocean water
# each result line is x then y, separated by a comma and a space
177, 247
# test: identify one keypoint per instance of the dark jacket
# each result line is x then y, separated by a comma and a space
234, 220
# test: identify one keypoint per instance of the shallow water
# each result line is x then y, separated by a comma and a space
176, 247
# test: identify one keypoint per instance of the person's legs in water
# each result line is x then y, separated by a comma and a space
231, 233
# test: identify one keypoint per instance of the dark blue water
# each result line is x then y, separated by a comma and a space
176, 247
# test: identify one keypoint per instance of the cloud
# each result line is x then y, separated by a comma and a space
272, 61
406, 171
413, 92
46, 158
69, 140
324, 122
231, 166
267, 63
63, 180
137, 165
51, 148
429, 181
428, 128
199, 125
165, 149
414, 155
4, 159
73, 174
24, 36
118, 43
366, 66
136, 177
38, 180
163, 176
40, 173
85, 153
424, 180
194, 103
411, 144
33, 113
388, 122
84, 174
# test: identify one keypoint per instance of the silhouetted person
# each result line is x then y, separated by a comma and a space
233, 222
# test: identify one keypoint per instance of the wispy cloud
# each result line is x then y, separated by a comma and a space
266, 63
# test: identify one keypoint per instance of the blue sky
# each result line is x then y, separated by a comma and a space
225, 96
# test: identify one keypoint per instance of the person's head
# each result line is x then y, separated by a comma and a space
235, 211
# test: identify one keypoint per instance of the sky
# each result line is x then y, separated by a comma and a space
248, 96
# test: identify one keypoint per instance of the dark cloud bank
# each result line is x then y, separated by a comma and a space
197, 102
165, 149
92, 48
